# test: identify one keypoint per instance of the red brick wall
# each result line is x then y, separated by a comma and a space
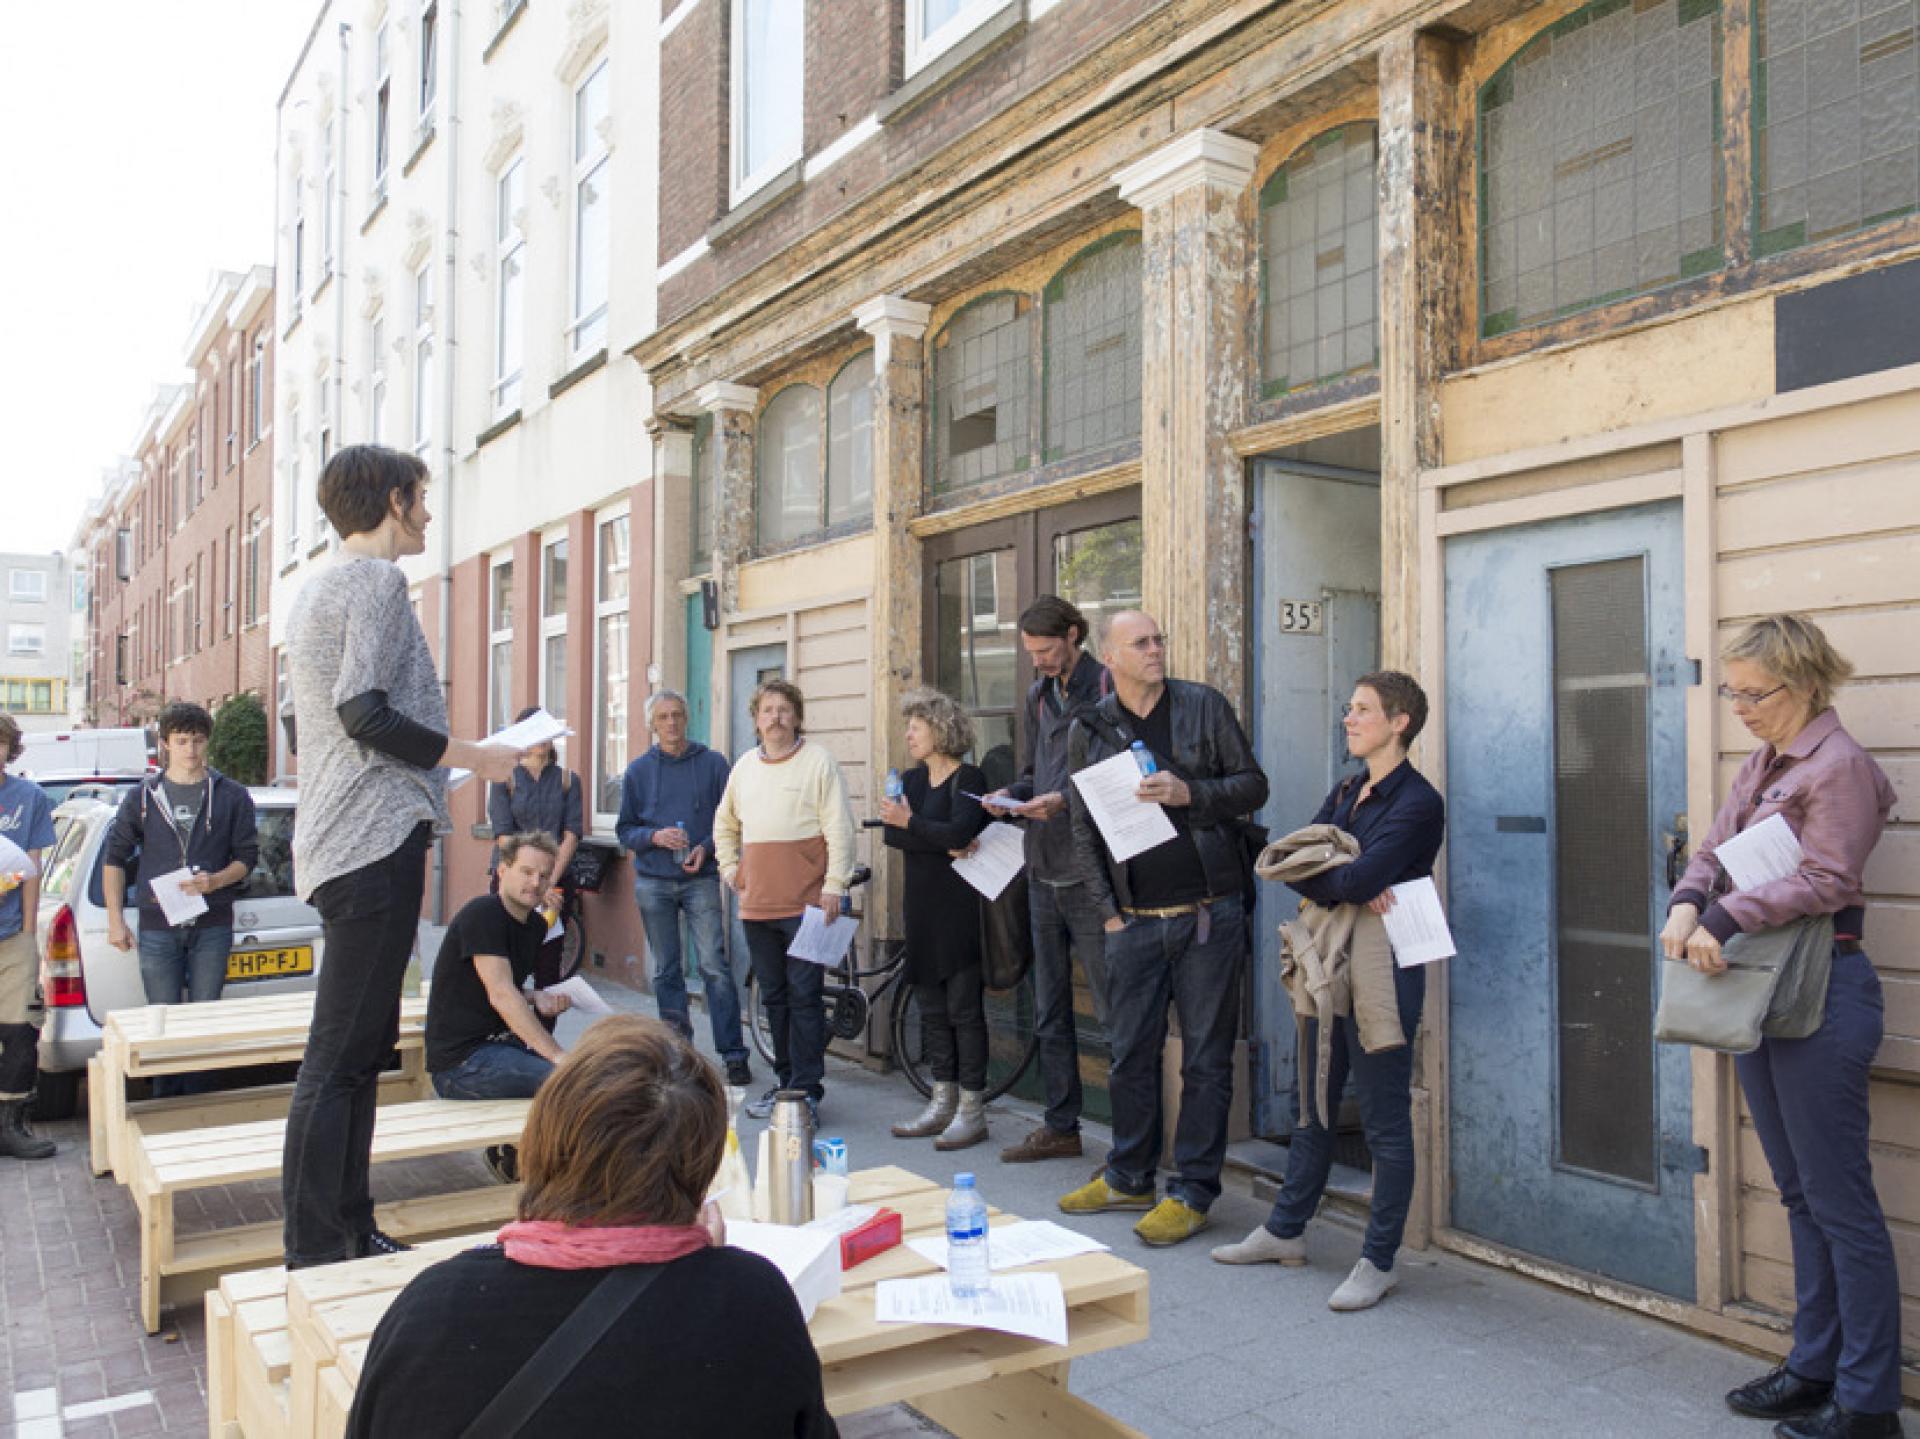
693, 126
854, 59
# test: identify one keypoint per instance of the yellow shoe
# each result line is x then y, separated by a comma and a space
1098, 1197
1170, 1222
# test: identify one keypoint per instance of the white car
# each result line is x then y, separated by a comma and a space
83, 979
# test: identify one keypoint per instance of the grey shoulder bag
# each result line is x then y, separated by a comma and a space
1775, 986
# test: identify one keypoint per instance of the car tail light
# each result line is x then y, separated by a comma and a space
65, 986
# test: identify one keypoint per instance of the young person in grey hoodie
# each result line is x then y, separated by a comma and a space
667, 802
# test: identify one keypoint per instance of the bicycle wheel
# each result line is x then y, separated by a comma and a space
757, 1022
1012, 1040
573, 944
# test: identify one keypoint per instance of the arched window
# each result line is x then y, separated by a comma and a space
1836, 124
1318, 271
1600, 161
982, 380
787, 458
850, 441
1093, 361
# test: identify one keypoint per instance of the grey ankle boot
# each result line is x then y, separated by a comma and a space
969, 1122
16, 1140
935, 1117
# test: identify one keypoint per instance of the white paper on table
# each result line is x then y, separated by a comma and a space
809, 1258
15, 860
582, 994
537, 728
175, 903
1760, 855
819, 942
842, 1221
1013, 1246
1033, 1305
1002, 854
1417, 926
1130, 825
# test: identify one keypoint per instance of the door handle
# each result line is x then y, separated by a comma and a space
1676, 850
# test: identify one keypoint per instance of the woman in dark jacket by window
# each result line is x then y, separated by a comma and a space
936, 818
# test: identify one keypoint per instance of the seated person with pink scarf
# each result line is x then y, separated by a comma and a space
612, 1305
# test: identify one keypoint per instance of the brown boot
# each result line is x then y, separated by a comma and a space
1043, 1143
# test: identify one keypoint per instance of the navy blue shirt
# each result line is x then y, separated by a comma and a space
661, 791
1400, 829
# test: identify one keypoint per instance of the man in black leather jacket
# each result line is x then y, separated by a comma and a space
1175, 926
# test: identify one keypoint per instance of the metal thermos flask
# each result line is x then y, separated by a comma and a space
790, 1191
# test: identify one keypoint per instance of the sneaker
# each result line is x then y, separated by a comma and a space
503, 1163
1098, 1197
1044, 1142
1171, 1221
739, 1073
1263, 1246
1363, 1288
374, 1242
763, 1106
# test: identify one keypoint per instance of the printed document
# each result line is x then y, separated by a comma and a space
1130, 825
1013, 1246
819, 942
1002, 854
175, 903
1030, 1304
582, 994
1760, 855
537, 728
1416, 925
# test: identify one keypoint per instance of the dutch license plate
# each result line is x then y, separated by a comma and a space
270, 963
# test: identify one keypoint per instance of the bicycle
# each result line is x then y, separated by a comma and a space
1012, 1040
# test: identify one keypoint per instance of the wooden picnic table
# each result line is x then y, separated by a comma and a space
285, 1351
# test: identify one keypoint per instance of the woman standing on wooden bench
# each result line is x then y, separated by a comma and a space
612, 1306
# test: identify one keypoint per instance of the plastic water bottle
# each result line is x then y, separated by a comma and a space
1143, 757
680, 851
967, 1270
895, 788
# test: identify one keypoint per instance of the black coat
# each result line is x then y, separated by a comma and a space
942, 909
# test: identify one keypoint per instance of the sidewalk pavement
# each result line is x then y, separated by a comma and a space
1458, 1349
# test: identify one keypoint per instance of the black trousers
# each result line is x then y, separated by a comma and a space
953, 1027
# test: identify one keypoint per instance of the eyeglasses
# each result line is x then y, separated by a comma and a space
1747, 699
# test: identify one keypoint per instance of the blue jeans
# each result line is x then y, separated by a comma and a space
1383, 1083
790, 990
1150, 962
1809, 1103
1065, 924
662, 902
192, 959
494, 1071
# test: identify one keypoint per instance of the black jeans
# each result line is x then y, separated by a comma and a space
1065, 925
369, 917
953, 1027
790, 992
1150, 962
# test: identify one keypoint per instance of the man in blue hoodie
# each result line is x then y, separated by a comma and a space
667, 802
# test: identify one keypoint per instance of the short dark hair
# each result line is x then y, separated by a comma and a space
629, 1129
357, 486
1400, 694
184, 717
512, 844
1052, 618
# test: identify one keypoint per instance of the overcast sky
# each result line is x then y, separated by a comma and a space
136, 145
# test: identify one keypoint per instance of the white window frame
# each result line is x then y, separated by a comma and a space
922, 51
592, 165
554, 625
382, 110
423, 358
291, 507
256, 387
603, 609
326, 205
20, 593
376, 376
299, 241
510, 250
322, 454
19, 635
745, 183
499, 641
429, 34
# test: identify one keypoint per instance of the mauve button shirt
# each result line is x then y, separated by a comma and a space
1833, 797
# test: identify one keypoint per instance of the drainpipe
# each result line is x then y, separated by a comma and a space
447, 335
337, 244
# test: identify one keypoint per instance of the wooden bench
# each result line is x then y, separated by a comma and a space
167, 1166
226, 1034
284, 1357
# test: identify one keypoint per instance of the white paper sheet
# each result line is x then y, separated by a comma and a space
15, 860
175, 903
842, 1221
1030, 1304
809, 1258
582, 995
537, 728
1417, 926
457, 777
1013, 1246
990, 868
1760, 855
1130, 825
819, 942
1000, 804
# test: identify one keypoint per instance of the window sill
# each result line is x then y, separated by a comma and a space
299, 314
933, 77
578, 373
512, 19
427, 132
756, 203
813, 539
498, 428
379, 208
321, 288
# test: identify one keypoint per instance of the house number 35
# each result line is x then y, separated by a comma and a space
1300, 617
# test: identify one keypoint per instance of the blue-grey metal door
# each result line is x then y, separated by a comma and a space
1566, 766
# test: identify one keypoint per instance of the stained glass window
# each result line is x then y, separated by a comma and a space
1093, 348
1318, 272
982, 382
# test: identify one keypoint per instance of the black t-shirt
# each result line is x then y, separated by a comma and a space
460, 1017
1170, 873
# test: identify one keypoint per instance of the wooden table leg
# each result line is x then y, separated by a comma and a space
1016, 1406
223, 1403
99, 1154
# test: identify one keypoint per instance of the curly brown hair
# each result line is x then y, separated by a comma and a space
952, 730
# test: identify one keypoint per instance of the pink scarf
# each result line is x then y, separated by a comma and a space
549, 1244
